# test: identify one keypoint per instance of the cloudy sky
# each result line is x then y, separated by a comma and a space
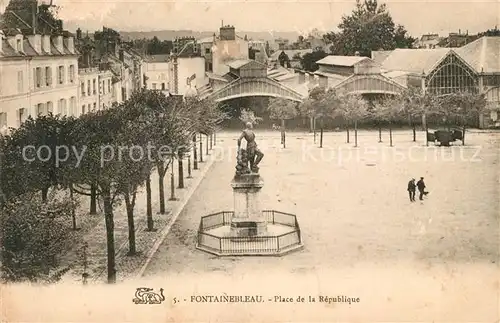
418, 16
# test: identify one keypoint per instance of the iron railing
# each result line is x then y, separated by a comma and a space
268, 244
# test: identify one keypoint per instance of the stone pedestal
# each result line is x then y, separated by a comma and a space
248, 220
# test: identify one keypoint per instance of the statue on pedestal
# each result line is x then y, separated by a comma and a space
251, 156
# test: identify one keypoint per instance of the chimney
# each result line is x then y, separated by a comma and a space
36, 42
459, 32
78, 34
46, 43
227, 33
69, 42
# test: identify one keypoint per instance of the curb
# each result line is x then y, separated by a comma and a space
165, 231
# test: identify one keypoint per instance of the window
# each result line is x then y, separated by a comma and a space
83, 109
40, 109
38, 77
18, 45
95, 107
62, 107
3, 120
109, 86
61, 75
163, 86
72, 106
50, 107
207, 50
94, 87
20, 82
88, 87
82, 85
72, 73
154, 86
48, 76
101, 88
21, 116
451, 75
89, 107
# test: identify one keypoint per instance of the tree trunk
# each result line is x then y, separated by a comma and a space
414, 133
390, 135
201, 149
172, 184
463, 133
110, 234
195, 156
181, 173
206, 150
424, 119
93, 199
215, 138
347, 128
149, 207
314, 128
379, 134
211, 141
283, 133
356, 133
45, 193
161, 177
73, 213
131, 225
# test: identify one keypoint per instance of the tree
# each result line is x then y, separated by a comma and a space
282, 109
249, 116
320, 104
353, 108
416, 104
389, 110
33, 235
369, 27
308, 60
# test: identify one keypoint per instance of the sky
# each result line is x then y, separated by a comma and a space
302, 16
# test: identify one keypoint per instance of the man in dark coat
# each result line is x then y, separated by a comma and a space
421, 188
411, 189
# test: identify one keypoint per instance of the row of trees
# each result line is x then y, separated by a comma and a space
107, 154
411, 106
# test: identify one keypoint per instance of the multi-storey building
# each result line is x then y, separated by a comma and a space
38, 75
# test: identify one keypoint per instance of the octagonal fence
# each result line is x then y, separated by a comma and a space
269, 244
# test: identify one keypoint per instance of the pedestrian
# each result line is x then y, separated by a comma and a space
411, 189
421, 188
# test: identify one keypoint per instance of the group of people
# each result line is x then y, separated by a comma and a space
412, 188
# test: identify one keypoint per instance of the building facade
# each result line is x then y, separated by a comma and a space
38, 75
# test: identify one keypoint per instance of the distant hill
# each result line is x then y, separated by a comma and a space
172, 34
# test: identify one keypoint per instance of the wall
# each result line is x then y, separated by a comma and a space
158, 73
188, 67
225, 51
88, 100
11, 99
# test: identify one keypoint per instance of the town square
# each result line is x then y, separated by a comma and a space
356, 168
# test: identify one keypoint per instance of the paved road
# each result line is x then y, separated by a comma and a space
354, 213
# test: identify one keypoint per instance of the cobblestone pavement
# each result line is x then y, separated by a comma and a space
93, 230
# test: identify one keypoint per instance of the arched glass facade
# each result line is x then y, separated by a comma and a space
450, 76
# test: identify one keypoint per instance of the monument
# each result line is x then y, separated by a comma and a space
248, 230
248, 219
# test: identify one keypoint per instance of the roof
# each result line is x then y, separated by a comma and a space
290, 53
394, 74
158, 58
238, 63
380, 55
29, 50
341, 60
206, 40
413, 60
482, 54
215, 77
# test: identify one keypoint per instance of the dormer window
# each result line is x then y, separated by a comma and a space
18, 45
